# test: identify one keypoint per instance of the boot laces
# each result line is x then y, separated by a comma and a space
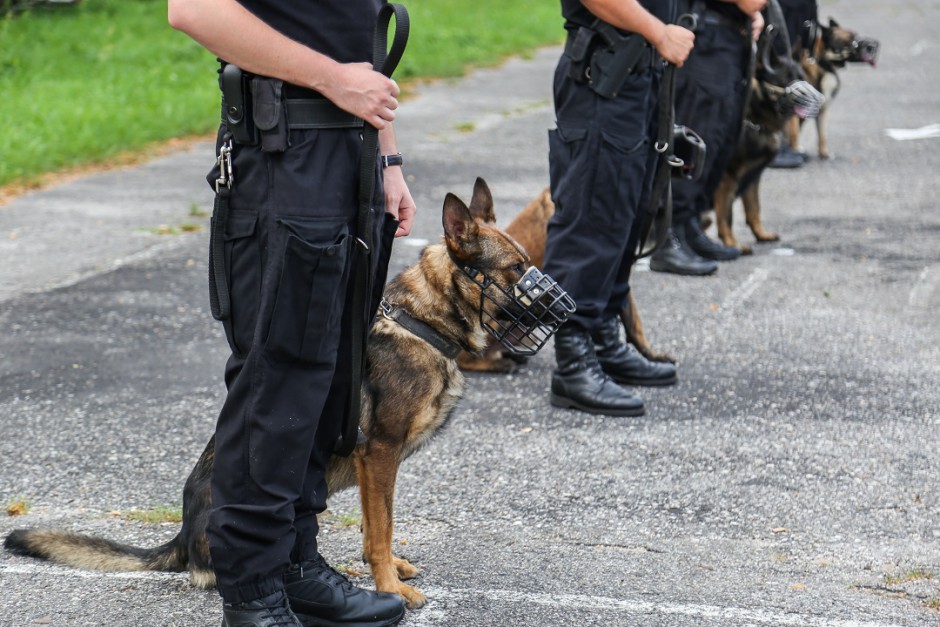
333, 575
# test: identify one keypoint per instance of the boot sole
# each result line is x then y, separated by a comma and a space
313, 621
566, 403
650, 383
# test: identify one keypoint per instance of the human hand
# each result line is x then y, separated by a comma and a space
757, 25
398, 201
750, 7
360, 90
675, 44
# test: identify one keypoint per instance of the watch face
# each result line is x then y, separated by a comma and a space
390, 160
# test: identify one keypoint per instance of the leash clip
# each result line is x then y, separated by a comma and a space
226, 173
385, 308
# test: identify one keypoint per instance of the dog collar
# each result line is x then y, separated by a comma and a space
421, 329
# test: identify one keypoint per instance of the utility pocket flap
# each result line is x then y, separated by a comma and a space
241, 224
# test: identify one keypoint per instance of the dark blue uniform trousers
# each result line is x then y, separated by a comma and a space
601, 166
289, 253
710, 91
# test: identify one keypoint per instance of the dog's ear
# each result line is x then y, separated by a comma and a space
481, 205
833, 23
461, 233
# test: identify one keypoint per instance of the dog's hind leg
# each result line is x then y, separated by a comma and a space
723, 201
822, 121
377, 468
751, 199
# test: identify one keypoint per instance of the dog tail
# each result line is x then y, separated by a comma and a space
89, 552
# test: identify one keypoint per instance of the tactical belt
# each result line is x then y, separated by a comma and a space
312, 113
705, 16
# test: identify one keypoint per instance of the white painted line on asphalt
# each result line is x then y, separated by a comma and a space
907, 134
744, 291
432, 614
64, 571
585, 602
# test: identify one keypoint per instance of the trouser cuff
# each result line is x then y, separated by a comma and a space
246, 592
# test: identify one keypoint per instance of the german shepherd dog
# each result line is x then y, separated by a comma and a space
821, 52
530, 229
778, 91
458, 289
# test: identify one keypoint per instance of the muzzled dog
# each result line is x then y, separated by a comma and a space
479, 282
778, 92
529, 228
821, 52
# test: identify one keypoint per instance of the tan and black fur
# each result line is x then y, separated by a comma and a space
530, 229
757, 146
832, 47
410, 391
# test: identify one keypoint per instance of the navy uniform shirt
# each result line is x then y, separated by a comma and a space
340, 29
728, 9
576, 14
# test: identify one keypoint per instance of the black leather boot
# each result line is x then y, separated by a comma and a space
578, 381
321, 596
623, 363
675, 257
270, 611
704, 246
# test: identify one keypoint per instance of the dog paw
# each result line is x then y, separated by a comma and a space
405, 568
745, 249
767, 236
413, 598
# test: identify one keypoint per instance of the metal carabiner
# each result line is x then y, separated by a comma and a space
226, 172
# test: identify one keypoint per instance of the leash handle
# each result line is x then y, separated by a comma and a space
384, 60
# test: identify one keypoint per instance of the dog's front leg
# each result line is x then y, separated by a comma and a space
633, 326
377, 469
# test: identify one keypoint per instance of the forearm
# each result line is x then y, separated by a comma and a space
232, 33
388, 144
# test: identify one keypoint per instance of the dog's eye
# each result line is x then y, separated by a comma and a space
519, 268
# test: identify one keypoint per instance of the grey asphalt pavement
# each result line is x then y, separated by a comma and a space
790, 478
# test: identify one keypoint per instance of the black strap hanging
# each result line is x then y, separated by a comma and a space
384, 60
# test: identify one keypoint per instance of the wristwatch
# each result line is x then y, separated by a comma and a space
388, 160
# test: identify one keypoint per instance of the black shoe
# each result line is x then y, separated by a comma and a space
270, 611
579, 383
321, 596
673, 256
623, 363
787, 158
702, 245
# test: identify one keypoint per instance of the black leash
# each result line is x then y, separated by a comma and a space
384, 60
220, 302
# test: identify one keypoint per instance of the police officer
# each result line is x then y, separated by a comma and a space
796, 13
601, 168
288, 244
710, 95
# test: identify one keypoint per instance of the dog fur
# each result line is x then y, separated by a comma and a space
831, 49
529, 228
410, 392
757, 146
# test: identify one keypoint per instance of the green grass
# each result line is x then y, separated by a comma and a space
88, 83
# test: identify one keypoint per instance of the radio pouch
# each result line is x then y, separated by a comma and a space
579, 55
268, 113
235, 106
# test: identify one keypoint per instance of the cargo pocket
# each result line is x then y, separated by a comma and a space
243, 273
619, 180
311, 290
569, 169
